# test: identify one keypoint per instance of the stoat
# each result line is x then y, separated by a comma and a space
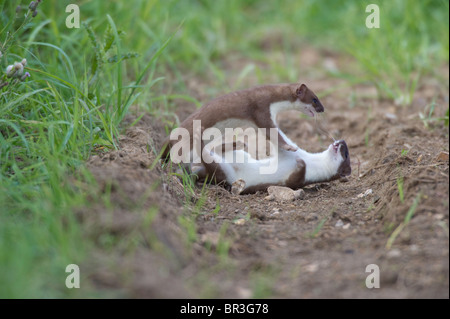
256, 107
294, 169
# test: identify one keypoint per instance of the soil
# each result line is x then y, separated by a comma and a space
152, 242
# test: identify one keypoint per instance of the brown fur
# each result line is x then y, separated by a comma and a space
297, 178
251, 104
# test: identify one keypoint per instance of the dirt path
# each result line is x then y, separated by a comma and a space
151, 245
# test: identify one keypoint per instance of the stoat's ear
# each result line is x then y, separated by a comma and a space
301, 91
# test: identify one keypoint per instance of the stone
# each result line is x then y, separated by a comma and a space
280, 194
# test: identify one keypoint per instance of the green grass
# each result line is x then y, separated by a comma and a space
401, 195
404, 152
412, 41
49, 124
262, 281
319, 226
429, 119
139, 52
408, 216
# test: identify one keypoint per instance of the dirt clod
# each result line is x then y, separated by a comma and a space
442, 157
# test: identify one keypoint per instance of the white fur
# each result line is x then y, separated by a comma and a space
277, 107
319, 167
250, 169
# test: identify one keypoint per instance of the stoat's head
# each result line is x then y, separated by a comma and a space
310, 101
331, 164
340, 156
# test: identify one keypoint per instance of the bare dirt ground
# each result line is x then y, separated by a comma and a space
152, 245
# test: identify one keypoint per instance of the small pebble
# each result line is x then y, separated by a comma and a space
390, 116
414, 248
274, 214
366, 193
244, 293
442, 157
312, 267
394, 253
419, 159
339, 223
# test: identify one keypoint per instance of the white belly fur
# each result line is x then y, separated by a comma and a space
250, 170
319, 167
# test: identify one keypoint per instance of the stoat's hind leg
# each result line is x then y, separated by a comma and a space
211, 163
297, 178
217, 168
238, 187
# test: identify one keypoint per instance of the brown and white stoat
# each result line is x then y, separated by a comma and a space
292, 169
256, 107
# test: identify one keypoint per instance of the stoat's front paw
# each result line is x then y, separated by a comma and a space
289, 148
238, 187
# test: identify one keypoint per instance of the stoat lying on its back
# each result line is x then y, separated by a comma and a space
294, 169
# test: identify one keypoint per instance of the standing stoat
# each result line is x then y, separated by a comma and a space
294, 169
256, 107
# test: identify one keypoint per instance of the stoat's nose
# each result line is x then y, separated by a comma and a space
345, 168
342, 147
318, 107
337, 144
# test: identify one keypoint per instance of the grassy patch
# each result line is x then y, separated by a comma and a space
406, 221
52, 121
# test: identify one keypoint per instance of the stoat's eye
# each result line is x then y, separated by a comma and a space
314, 101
